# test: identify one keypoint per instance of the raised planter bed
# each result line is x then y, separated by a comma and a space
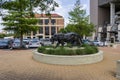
68, 60
118, 70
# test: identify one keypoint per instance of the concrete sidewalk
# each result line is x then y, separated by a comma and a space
19, 65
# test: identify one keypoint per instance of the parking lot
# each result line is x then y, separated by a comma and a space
19, 65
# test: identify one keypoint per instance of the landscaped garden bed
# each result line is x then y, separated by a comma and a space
68, 56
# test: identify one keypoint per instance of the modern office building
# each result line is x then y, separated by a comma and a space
105, 15
47, 26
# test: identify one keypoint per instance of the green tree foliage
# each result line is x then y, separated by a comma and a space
45, 5
21, 19
2, 35
79, 21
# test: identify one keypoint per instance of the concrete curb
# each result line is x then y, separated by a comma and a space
68, 60
118, 70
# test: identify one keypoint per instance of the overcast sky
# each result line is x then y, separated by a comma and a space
65, 6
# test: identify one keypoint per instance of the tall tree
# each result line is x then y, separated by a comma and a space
79, 21
21, 19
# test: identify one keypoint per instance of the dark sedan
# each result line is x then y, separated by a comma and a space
5, 43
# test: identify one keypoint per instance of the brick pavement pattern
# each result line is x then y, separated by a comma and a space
19, 65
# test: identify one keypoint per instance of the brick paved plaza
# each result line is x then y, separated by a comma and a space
19, 65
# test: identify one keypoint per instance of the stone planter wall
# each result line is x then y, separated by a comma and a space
118, 70
68, 60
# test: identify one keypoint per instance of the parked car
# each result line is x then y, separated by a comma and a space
26, 41
16, 44
45, 42
86, 41
100, 43
5, 43
97, 43
105, 43
34, 43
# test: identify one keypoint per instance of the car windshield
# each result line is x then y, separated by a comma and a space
45, 40
34, 41
3, 41
16, 42
96, 41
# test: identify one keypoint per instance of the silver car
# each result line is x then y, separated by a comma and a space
34, 43
45, 42
16, 44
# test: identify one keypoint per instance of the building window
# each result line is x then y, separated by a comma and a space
40, 37
47, 30
46, 21
53, 30
41, 22
53, 21
46, 37
41, 30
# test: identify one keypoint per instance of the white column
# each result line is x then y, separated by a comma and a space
119, 32
31, 34
93, 36
112, 13
108, 36
108, 30
43, 32
99, 36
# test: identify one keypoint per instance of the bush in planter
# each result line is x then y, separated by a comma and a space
59, 51
80, 52
95, 49
49, 51
91, 49
68, 51
41, 49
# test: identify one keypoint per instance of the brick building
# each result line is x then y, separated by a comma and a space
47, 26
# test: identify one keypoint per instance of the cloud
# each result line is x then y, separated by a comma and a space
63, 9
65, 6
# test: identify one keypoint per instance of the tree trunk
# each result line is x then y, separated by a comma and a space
21, 40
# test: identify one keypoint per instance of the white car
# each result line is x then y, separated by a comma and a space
100, 43
45, 42
34, 43
16, 44
97, 43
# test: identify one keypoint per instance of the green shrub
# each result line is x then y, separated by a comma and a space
49, 51
85, 45
80, 52
68, 51
59, 51
95, 49
90, 50
41, 49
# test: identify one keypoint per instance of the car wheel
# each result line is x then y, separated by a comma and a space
98, 45
10, 48
26, 46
